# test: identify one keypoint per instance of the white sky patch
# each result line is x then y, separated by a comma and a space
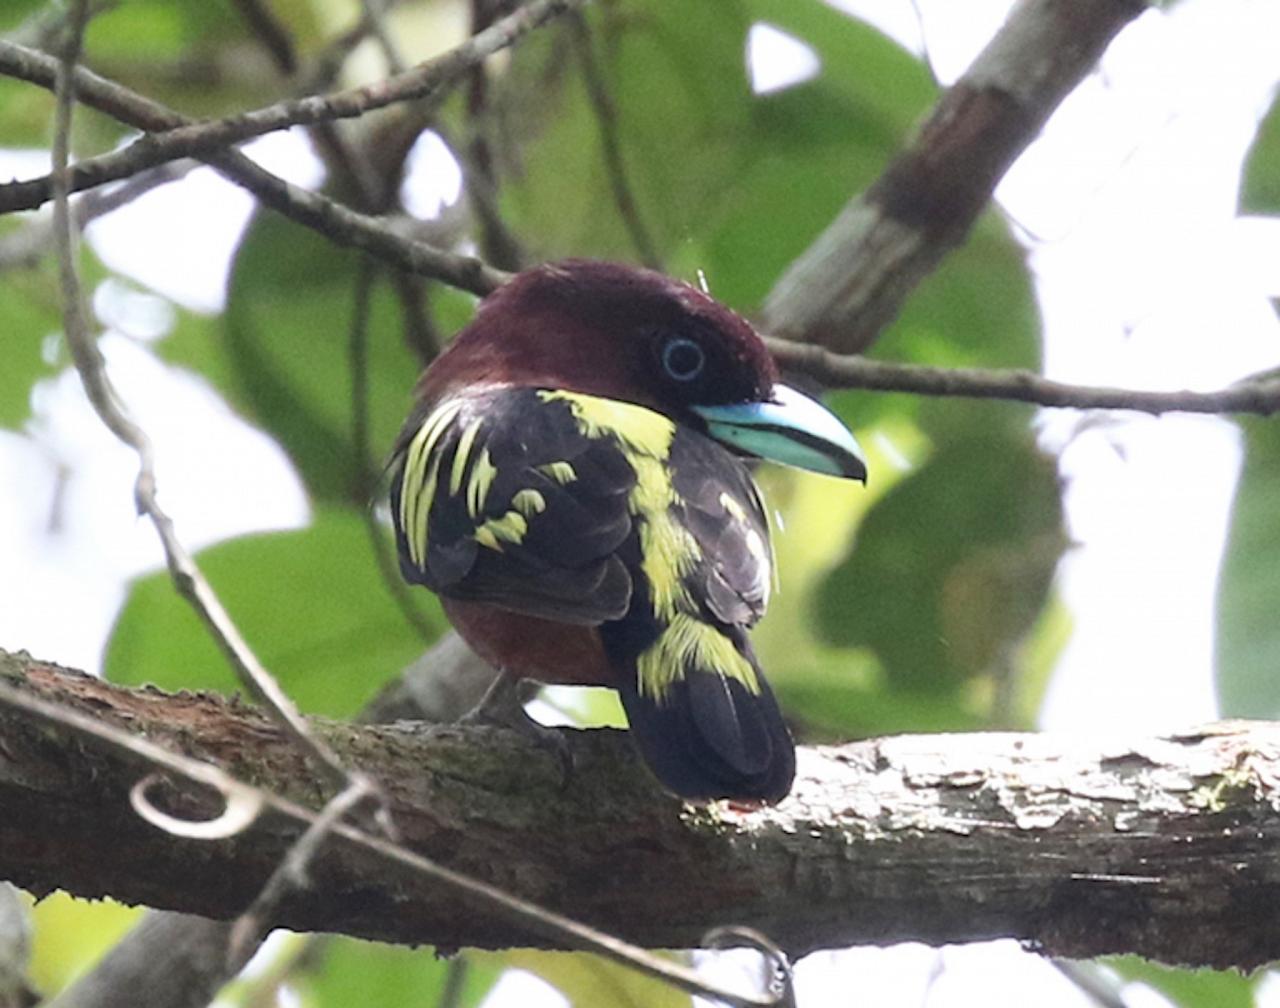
179, 238
17, 165
432, 178
520, 987
777, 60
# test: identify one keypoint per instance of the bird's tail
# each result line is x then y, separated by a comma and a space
709, 735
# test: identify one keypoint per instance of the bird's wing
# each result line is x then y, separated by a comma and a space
499, 496
721, 507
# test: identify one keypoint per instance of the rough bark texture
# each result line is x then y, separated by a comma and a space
1159, 846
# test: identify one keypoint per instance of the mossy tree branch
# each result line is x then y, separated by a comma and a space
1158, 846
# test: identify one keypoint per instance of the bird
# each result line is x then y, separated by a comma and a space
573, 482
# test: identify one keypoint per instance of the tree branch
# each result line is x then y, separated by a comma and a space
339, 224
1158, 846
1257, 395
852, 281
198, 139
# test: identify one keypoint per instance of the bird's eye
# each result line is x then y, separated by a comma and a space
683, 359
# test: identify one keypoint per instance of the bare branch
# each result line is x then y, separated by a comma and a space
427, 80
1261, 395
851, 282
338, 223
1079, 846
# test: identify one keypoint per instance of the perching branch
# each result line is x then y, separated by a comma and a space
1158, 846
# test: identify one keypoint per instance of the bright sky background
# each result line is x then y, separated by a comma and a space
1146, 278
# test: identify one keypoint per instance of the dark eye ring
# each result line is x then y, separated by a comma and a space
683, 359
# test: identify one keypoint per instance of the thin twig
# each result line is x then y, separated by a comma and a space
607, 119
455, 983
537, 919
91, 366
250, 927
1260, 395
338, 223
498, 244
427, 80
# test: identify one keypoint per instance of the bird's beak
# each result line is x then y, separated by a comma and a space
789, 428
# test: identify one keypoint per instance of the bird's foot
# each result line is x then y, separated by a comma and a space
503, 706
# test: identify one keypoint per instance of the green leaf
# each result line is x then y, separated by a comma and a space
1248, 632
311, 603
588, 981
843, 693
29, 315
195, 55
674, 74
977, 308
807, 151
723, 179
27, 113
952, 566
1260, 186
31, 343
71, 935
288, 324
1188, 988
352, 972
16, 11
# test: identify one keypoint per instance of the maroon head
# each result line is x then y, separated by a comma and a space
632, 334
609, 330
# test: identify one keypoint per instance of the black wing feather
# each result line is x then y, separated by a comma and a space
563, 566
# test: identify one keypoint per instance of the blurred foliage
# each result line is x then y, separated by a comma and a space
1247, 641
1248, 637
588, 981
288, 322
728, 182
70, 935
1260, 187
347, 971
922, 602
1189, 988
31, 328
943, 602
31, 315
312, 603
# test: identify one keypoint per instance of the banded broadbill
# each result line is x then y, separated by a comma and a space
572, 485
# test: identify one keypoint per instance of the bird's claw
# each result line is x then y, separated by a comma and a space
503, 707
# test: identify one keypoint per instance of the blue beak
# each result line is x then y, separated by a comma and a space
789, 428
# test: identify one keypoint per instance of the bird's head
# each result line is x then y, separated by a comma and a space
636, 335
